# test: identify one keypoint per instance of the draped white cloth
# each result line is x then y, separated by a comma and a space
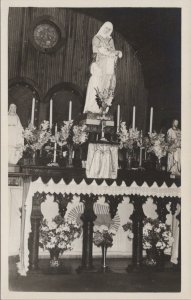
83, 188
102, 161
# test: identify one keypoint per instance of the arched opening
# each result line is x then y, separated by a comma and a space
21, 92
62, 94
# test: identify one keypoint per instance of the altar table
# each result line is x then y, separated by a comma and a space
89, 190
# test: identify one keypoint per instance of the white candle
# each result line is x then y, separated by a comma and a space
32, 112
51, 110
133, 124
151, 120
118, 117
70, 111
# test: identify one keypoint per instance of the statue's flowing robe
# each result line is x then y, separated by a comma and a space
15, 138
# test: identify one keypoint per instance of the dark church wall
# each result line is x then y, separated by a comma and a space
166, 101
71, 62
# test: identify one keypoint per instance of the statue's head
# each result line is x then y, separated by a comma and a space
106, 29
12, 109
175, 123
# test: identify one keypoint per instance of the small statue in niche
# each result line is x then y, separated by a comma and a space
15, 136
102, 68
174, 156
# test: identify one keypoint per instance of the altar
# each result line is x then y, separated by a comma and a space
134, 192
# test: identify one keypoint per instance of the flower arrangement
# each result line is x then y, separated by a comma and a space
35, 138
103, 236
60, 233
70, 134
80, 134
156, 234
157, 145
129, 139
65, 133
104, 98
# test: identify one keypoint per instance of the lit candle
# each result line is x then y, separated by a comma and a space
133, 125
32, 112
151, 120
70, 111
118, 117
51, 109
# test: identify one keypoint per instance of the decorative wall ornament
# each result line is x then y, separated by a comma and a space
45, 34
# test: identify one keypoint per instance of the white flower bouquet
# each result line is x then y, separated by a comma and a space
158, 145
35, 138
59, 234
104, 99
157, 239
128, 139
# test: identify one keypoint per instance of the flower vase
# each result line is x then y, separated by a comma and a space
54, 257
70, 157
155, 258
104, 267
160, 260
129, 161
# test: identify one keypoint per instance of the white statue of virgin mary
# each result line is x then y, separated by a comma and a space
15, 136
102, 68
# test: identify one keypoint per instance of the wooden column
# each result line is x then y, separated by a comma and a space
161, 207
137, 228
113, 202
88, 218
36, 217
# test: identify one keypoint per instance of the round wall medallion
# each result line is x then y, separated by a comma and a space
46, 35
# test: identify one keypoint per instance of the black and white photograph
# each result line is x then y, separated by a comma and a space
94, 118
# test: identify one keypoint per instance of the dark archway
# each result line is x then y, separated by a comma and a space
61, 94
21, 92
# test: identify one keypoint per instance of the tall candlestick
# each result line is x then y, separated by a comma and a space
70, 111
56, 129
133, 124
55, 148
151, 120
51, 109
55, 144
118, 117
32, 112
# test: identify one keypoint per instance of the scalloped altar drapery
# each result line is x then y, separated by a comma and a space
83, 188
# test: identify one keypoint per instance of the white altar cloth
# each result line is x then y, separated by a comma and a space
83, 188
102, 161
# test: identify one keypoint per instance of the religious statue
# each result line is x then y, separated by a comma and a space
15, 136
102, 68
174, 156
